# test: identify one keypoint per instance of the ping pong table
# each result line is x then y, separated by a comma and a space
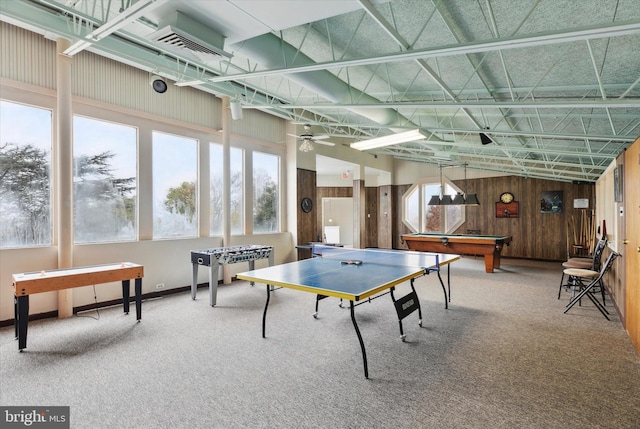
355, 275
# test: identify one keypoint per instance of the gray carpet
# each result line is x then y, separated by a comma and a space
502, 356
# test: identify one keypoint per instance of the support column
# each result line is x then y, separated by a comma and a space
359, 214
63, 172
226, 183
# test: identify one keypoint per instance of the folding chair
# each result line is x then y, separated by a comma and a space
588, 279
592, 264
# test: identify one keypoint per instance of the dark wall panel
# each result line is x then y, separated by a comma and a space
536, 235
306, 221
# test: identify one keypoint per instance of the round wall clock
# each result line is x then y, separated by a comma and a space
506, 197
306, 204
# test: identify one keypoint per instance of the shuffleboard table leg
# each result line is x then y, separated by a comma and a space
125, 295
364, 352
138, 286
22, 316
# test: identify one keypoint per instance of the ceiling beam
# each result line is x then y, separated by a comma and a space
581, 104
614, 29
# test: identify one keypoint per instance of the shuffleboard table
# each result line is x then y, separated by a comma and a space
489, 246
25, 284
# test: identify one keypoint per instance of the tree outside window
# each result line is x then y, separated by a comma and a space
25, 183
175, 167
266, 195
104, 181
237, 195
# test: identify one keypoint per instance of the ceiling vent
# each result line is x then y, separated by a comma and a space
188, 38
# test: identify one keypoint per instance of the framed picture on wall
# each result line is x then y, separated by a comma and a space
618, 189
551, 202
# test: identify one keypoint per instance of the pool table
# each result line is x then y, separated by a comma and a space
489, 246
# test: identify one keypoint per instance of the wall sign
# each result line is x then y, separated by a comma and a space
581, 203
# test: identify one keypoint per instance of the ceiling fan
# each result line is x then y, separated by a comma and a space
307, 138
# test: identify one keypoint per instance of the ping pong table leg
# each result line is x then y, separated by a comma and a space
419, 308
264, 314
444, 289
393, 298
318, 298
364, 352
449, 280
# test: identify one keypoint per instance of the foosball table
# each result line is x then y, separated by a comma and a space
217, 256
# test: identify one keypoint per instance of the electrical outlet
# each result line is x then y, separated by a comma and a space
160, 286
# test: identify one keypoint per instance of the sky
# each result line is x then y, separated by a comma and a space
175, 158
25, 125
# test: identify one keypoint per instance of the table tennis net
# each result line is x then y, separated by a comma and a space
378, 256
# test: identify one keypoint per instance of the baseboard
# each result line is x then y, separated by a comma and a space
110, 303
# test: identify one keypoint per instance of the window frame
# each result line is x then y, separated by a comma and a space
278, 199
419, 186
136, 182
52, 212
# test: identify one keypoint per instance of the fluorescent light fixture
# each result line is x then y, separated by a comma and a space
392, 139
190, 82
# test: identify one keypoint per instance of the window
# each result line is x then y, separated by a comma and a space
175, 167
104, 181
25, 181
237, 201
266, 192
418, 216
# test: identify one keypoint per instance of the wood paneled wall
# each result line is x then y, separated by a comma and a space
371, 213
536, 235
307, 221
329, 192
386, 215
378, 212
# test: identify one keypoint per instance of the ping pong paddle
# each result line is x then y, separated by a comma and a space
351, 262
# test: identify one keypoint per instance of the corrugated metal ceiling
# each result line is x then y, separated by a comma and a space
555, 84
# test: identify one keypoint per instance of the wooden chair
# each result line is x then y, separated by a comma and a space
586, 280
592, 263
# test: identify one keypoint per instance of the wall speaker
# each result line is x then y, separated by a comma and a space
236, 110
158, 84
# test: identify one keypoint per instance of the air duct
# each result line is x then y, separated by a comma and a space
270, 51
198, 42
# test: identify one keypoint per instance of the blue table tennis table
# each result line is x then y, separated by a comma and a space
355, 275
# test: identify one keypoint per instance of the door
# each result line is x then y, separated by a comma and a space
631, 241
